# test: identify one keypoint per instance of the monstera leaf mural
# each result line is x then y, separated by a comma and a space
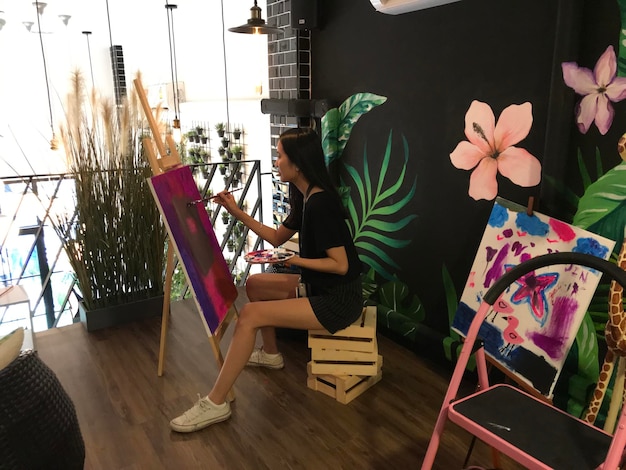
399, 310
602, 209
337, 123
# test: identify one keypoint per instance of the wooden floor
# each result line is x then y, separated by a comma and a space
278, 423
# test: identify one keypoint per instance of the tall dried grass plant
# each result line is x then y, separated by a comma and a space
115, 240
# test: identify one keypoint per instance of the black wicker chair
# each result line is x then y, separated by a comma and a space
38, 423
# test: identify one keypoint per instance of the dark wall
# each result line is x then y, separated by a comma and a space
431, 64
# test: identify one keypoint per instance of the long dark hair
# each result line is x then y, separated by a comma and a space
303, 147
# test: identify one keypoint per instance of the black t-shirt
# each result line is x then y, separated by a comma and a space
322, 226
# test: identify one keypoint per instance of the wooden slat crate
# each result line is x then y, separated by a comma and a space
344, 388
351, 351
359, 336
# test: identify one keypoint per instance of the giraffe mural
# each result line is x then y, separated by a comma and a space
615, 333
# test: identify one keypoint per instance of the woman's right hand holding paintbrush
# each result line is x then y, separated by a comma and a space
227, 200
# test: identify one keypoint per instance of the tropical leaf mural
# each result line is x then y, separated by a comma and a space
374, 221
602, 209
337, 123
372, 224
369, 284
399, 310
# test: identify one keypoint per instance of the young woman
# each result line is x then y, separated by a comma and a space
329, 265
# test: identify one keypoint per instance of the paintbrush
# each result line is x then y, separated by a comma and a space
207, 199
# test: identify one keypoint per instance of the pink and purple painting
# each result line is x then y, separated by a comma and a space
197, 248
533, 324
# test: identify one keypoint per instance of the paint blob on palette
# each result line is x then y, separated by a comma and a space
273, 255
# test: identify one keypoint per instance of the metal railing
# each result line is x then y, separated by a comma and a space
32, 255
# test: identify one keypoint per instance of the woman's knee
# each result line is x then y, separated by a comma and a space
253, 284
270, 286
246, 318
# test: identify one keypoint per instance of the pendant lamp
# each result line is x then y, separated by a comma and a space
256, 24
176, 132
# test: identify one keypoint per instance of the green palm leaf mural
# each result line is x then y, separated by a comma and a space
337, 123
373, 227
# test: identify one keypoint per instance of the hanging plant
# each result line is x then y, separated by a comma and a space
220, 128
225, 217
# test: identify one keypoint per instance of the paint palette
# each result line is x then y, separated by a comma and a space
273, 255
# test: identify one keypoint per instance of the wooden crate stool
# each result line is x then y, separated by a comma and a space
345, 364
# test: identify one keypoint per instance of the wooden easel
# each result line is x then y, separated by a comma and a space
167, 159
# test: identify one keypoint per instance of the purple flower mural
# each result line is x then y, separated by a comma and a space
598, 88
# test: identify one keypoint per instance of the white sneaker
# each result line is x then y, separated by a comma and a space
260, 358
199, 416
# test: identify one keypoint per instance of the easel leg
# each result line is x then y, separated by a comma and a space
169, 273
215, 340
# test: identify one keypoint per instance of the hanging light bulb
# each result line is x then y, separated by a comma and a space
176, 132
256, 24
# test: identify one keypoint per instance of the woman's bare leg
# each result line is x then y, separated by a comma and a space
271, 286
291, 313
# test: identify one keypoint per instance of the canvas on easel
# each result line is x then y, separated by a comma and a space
187, 230
534, 323
196, 245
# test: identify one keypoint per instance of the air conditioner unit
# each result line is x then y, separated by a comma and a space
397, 7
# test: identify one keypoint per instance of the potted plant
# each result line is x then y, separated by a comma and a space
230, 244
204, 155
220, 127
237, 151
238, 228
199, 130
192, 136
225, 142
237, 133
221, 151
204, 139
225, 217
204, 170
115, 240
194, 153
222, 169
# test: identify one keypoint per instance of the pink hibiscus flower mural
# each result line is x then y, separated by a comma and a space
491, 149
598, 89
